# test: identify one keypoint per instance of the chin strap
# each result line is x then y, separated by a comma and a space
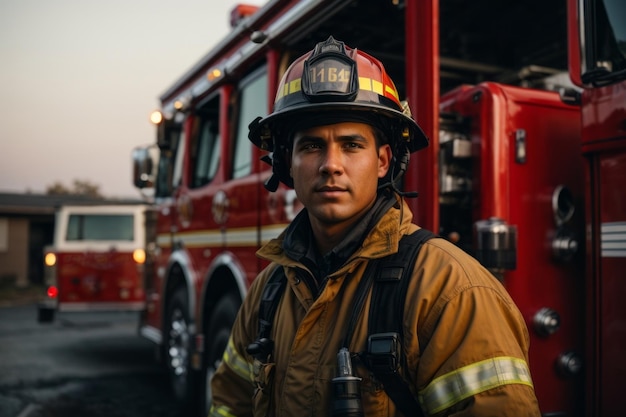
402, 164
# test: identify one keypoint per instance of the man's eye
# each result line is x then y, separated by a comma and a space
309, 146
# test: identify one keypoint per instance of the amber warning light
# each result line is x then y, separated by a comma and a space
50, 259
156, 117
214, 74
139, 256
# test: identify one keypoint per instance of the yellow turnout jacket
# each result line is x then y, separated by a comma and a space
465, 341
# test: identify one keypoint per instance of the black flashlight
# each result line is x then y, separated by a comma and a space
346, 388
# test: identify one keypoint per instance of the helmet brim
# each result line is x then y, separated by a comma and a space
276, 127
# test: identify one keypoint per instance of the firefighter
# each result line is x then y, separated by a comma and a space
340, 136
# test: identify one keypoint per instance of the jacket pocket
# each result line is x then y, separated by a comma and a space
373, 396
264, 380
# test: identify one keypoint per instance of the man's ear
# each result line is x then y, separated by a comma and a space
384, 160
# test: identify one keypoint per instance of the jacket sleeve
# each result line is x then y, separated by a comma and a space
474, 343
233, 384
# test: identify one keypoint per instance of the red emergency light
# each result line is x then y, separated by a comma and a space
240, 12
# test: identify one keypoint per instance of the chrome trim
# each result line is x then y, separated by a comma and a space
613, 240
98, 306
151, 333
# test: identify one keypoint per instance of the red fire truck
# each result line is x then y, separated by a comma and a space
524, 171
96, 261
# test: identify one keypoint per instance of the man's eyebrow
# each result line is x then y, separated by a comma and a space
353, 136
307, 138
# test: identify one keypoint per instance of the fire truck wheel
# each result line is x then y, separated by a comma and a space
218, 332
177, 349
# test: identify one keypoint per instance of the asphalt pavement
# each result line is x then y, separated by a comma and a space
88, 364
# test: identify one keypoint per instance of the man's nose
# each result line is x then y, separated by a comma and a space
332, 163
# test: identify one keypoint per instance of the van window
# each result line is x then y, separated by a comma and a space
100, 227
252, 102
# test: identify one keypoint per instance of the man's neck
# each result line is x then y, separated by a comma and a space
328, 236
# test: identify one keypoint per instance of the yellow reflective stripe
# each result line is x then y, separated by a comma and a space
290, 87
220, 410
392, 91
237, 363
294, 86
367, 84
449, 389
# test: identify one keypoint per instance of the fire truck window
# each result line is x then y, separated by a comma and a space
98, 227
252, 102
164, 174
610, 34
207, 154
177, 173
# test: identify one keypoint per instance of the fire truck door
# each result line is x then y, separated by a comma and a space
607, 363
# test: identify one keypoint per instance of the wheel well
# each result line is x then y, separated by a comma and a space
175, 280
221, 282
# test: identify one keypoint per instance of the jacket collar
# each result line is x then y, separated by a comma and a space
382, 239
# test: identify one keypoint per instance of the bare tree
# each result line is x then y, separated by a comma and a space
79, 187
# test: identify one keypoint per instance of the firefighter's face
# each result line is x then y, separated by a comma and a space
335, 170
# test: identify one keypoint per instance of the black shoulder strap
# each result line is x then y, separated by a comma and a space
391, 283
386, 317
263, 346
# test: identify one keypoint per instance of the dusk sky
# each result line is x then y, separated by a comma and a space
78, 80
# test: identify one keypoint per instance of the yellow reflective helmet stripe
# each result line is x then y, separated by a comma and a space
367, 84
220, 411
447, 390
237, 363
290, 87
392, 90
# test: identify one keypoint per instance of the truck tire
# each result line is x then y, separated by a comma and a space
177, 347
45, 314
218, 333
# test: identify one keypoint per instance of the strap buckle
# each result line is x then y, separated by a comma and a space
383, 353
261, 349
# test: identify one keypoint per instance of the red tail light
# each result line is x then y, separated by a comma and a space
53, 292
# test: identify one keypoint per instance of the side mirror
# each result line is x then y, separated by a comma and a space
144, 166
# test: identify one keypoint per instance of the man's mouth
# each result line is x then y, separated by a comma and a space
330, 189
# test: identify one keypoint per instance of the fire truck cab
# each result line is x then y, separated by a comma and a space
523, 172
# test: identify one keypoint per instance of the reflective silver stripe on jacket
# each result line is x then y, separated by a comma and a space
447, 390
237, 363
